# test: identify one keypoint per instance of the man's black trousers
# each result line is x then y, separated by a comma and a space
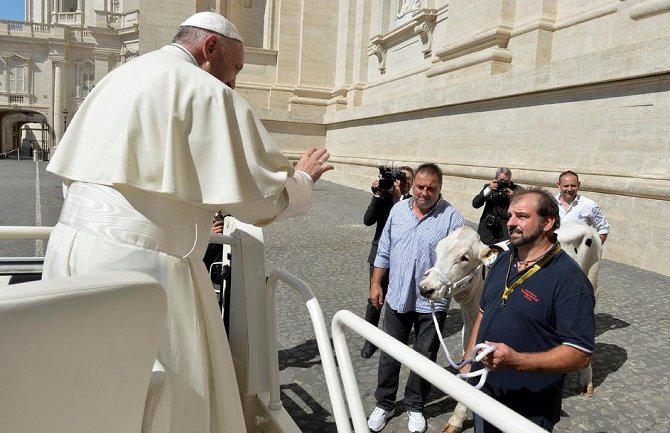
399, 326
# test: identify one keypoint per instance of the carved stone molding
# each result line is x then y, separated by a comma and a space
127, 54
311, 97
489, 46
422, 23
649, 8
495, 37
378, 49
425, 32
57, 59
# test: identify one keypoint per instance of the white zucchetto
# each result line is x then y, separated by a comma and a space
214, 23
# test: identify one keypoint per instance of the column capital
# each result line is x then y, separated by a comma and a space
58, 60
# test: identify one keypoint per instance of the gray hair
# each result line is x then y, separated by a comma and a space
189, 37
504, 170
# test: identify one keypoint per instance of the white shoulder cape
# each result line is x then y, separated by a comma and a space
161, 124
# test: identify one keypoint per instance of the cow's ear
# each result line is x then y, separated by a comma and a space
488, 255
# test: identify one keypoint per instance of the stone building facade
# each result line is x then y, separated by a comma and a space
540, 86
50, 62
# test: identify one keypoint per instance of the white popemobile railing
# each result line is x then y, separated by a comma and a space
322, 341
496, 413
254, 345
24, 232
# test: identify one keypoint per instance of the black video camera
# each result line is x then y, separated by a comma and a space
387, 177
504, 184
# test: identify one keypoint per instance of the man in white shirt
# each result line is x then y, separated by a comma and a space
573, 205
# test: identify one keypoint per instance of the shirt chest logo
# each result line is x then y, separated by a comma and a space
530, 296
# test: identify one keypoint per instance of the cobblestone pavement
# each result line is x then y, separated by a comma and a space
328, 249
25, 190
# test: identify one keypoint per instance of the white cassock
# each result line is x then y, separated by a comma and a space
152, 153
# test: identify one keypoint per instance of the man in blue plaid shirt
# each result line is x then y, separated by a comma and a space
407, 250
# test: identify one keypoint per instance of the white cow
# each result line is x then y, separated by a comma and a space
458, 274
583, 244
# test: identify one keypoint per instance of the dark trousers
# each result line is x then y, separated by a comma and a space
483, 426
373, 313
399, 326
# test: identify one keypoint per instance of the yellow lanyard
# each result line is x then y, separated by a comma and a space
536, 267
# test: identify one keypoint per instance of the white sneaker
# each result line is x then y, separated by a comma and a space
378, 418
417, 423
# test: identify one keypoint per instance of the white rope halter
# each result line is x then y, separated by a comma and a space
474, 356
467, 279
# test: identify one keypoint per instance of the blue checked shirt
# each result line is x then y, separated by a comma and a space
407, 249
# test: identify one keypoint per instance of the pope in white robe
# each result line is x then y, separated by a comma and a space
159, 145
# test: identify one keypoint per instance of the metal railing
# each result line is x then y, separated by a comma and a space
24, 232
322, 341
6, 154
494, 412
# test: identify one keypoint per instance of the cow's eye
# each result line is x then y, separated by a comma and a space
464, 258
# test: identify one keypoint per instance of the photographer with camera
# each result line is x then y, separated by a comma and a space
391, 186
495, 197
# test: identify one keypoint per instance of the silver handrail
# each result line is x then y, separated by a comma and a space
494, 412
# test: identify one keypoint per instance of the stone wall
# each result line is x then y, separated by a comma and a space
537, 86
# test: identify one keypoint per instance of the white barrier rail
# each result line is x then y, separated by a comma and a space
322, 341
494, 412
24, 232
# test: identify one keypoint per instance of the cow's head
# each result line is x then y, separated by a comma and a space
583, 244
458, 259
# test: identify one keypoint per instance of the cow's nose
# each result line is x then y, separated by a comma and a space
427, 291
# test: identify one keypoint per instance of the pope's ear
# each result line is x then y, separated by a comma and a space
209, 46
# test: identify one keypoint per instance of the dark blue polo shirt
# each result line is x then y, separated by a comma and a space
552, 307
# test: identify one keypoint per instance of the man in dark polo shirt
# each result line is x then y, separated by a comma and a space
537, 309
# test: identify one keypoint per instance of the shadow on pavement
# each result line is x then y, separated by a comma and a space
304, 355
308, 414
606, 322
607, 359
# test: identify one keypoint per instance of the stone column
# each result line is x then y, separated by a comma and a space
269, 25
54, 11
58, 103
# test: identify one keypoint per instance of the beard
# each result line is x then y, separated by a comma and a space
525, 238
